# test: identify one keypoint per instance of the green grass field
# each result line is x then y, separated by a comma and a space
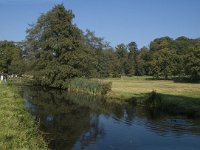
18, 130
175, 98
126, 87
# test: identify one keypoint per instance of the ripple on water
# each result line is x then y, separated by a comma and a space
175, 126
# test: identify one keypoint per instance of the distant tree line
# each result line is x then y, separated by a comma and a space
56, 50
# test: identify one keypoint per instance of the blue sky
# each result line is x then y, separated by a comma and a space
118, 21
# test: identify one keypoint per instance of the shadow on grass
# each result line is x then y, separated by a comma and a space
175, 79
159, 78
173, 104
185, 80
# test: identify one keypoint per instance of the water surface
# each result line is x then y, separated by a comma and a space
71, 121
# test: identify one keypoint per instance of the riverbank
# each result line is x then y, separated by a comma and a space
172, 97
18, 129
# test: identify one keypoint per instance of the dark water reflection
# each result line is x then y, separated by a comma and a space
70, 121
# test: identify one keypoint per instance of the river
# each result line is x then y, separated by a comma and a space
70, 121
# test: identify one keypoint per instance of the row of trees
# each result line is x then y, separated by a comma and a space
56, 50
165, 58
175, 58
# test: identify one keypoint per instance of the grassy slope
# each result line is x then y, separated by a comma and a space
17, 128
127, 87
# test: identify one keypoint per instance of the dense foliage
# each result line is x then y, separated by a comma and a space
175, 58
56, 48
11, 61
56, 51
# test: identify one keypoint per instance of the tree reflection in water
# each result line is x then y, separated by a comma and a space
67, 118
62, 121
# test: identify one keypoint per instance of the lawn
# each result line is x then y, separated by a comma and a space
127, 87
18, 130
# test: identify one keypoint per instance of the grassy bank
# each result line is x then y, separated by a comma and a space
17, 127
171, 97
127, 87
185, 105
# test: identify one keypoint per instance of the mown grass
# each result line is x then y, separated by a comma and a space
127, 87
18, 130
163, 95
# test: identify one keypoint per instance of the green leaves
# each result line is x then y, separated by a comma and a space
192, 62
175, 58
163, 63
56, 47
58, 50
11, 61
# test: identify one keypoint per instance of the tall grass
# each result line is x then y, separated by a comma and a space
17, 127
89, 86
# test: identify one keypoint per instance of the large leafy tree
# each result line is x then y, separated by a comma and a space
132, 57
122, 55
109, 63
163, 63
161, 43
167, 60
192, 61
104, 62
181, 44
56, 48
11, 61
142, 62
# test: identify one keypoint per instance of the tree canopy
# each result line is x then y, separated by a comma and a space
11, 61
56, 50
